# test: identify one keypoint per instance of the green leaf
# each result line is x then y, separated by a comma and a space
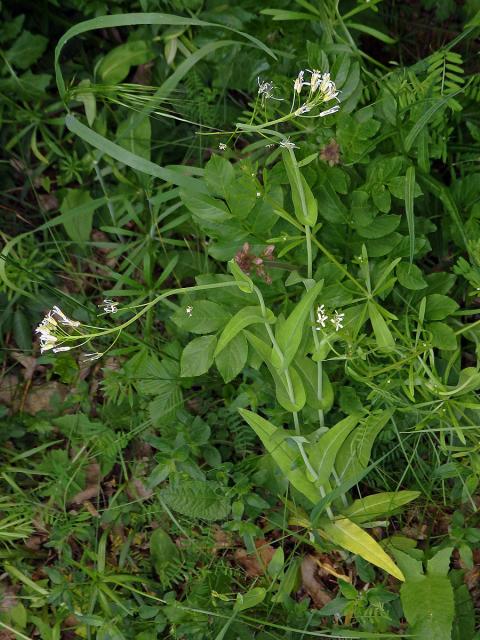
409, 208
354, 455
78, 227
304, 203
135, 136
88, 100
115, 66
439, 307
285, 453
428, 605
250, 599
245, 283
203, 317
410, 276
370, 31
350, 536
439, 564
290, 333
443, 336
130, 159
242, 319
231, 360
205, 208
382, 333
293, 400
219, 174
380, 227
162, 550
197, 357
26, 50
309, 373
378, 505
322, 454
206, 500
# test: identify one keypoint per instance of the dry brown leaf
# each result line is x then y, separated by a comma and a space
29, 364
312, 583
255, 564
86, 494
45, 397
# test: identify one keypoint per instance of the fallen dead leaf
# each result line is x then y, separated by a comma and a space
29, 364
45, 397
312, 582
255, 564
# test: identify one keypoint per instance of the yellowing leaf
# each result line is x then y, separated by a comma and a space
351, 537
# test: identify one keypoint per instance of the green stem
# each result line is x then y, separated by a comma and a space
288, 379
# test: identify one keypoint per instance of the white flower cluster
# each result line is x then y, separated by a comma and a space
51, 332
322, 317
321, 89
109, 306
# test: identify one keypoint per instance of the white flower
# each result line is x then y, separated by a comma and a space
328, 112
258, 194
50, 331
321, 316
327, 88
58, 349
63, 318
299, 83
315, 80
305, 108
109, 306
337, 320
189, 311
222, 146
92, 356
287, 144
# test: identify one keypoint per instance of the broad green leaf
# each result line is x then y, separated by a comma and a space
289, 335
410, 276
202, 317
354, 456
439, 564
439, 307
26, 50
350, 536
78, 227
443, 336
285, 453
250, 599
205, 208
115, 66
428, 605
382, 333
378, 505
304, 203
231, 360
291, 400
308, 371
381, 226
322, 454
219, 174
197, 357
162, 549
242, 319
242, 198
